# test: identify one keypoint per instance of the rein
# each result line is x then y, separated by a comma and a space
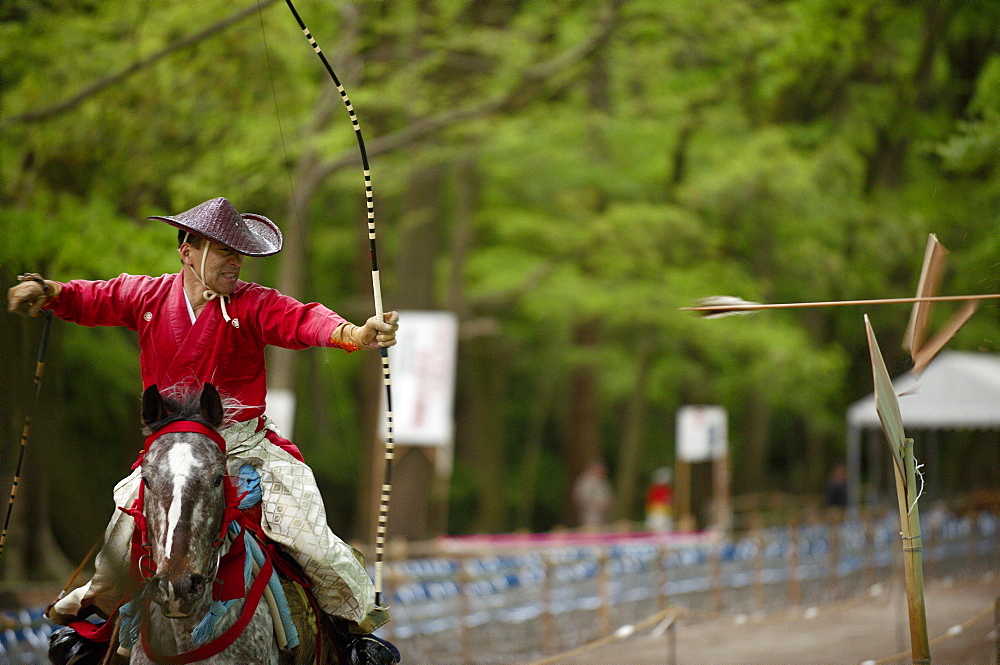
144, 568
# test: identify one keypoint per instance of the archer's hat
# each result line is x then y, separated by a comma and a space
219, 221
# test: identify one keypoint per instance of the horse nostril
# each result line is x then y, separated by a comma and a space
192, 584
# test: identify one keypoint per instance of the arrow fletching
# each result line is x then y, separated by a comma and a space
715, 307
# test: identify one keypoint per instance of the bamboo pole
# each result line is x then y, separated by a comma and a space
663, 578
909, 515
757, 534
833, 580
904, 469
548, 632
715, 573
464, 580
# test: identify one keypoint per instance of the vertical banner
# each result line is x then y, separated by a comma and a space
423, 378
702, 433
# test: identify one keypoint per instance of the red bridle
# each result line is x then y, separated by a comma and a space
141, 561
192, 426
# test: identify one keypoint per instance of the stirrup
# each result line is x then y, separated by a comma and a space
68, 647
362, 649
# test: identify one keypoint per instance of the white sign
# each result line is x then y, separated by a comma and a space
281, 411
422, 369
701, 433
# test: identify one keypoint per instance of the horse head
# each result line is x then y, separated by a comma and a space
184, 478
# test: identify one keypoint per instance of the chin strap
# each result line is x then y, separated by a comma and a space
210, 294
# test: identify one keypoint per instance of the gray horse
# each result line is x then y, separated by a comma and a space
186, 504
184, 477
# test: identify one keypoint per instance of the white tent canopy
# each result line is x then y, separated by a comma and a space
957, 390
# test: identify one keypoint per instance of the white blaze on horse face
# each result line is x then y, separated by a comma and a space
180, 459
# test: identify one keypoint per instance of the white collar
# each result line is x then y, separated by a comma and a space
187, 301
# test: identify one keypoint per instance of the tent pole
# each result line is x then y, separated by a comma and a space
853, 470
876, 472
932, 448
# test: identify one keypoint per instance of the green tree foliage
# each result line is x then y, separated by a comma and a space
618, 160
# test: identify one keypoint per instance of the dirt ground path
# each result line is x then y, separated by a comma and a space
863, 630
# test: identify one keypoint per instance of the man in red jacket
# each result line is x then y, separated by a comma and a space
204, 325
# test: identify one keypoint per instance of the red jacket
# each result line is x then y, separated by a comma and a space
176, 353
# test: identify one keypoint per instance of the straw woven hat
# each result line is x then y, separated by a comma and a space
219, 221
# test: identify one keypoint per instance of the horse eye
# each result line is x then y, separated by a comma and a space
145, 481
218, 480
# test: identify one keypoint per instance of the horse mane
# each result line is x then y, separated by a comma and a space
182, 402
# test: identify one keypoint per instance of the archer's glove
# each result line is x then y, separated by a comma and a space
375, 334
31, 294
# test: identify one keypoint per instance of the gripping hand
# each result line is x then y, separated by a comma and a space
374, 334
31, 294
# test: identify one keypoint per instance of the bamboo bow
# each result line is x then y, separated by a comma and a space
383, 514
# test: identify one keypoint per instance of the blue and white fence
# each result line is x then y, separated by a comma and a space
519, 605
503, 604
25, 637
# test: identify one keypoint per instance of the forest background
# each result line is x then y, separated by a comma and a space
564, 176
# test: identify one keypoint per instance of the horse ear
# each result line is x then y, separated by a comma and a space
211, 405
153, 409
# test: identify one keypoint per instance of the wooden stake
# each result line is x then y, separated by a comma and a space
682, 489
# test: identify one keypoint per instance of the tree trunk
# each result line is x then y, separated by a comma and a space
420, 245
633, 434
750, 476
307, 177
531, 458
30, 549
582, 439
487, 363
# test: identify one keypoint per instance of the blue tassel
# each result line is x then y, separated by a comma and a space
274, 584
249, 482
205, 630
